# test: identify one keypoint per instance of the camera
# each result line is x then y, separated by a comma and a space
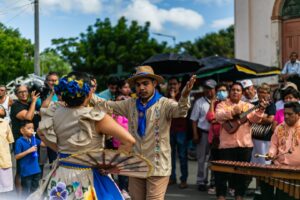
39, 87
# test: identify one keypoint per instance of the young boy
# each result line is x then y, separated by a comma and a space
6, 138
29, 164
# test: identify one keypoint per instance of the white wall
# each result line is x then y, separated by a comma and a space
242, 29
254, 39
256, 36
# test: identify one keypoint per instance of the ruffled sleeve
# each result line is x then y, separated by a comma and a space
87, 129
46, 123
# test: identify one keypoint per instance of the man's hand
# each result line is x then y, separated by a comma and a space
196, 137
188, 87
269, 157
213, 101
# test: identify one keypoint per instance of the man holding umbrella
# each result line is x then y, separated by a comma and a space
149, 120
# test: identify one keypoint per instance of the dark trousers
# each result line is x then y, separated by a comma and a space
179, 145
52, 155
30, 184
268, 192
238, 181
214, 155
123, 182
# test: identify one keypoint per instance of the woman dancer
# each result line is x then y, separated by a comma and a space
72, 129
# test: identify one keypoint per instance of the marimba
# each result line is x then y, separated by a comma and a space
285, 178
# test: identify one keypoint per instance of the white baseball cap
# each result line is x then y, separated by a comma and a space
246, 83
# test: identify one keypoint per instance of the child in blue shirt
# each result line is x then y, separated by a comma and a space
29, 165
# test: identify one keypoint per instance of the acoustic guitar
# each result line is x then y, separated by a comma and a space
232, 125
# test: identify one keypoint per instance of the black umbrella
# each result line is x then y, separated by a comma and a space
230, 69
170, 64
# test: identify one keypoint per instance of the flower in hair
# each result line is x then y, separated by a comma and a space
80, 83
72, 87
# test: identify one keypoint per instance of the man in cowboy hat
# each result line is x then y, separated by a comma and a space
149, 120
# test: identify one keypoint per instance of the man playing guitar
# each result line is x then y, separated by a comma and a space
236, 145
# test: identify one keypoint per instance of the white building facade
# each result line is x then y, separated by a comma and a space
267, 31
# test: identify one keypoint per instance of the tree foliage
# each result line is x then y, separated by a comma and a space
52, 62
16, 55
220, 43
103, 47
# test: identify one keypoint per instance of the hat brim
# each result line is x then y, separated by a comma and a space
289, 86
132, 79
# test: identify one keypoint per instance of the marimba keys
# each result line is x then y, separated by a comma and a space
285, 178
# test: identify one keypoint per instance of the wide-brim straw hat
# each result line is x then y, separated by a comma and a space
144, 72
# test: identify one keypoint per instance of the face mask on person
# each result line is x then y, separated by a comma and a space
222, 95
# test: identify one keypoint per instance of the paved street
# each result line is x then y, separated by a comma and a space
191, 193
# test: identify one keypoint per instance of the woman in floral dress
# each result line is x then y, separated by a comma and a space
72, 128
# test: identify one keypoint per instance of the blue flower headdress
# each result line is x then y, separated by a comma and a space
72, 87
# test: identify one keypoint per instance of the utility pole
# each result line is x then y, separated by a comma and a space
36, 39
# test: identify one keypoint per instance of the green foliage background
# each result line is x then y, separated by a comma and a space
101, 49
16, 55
